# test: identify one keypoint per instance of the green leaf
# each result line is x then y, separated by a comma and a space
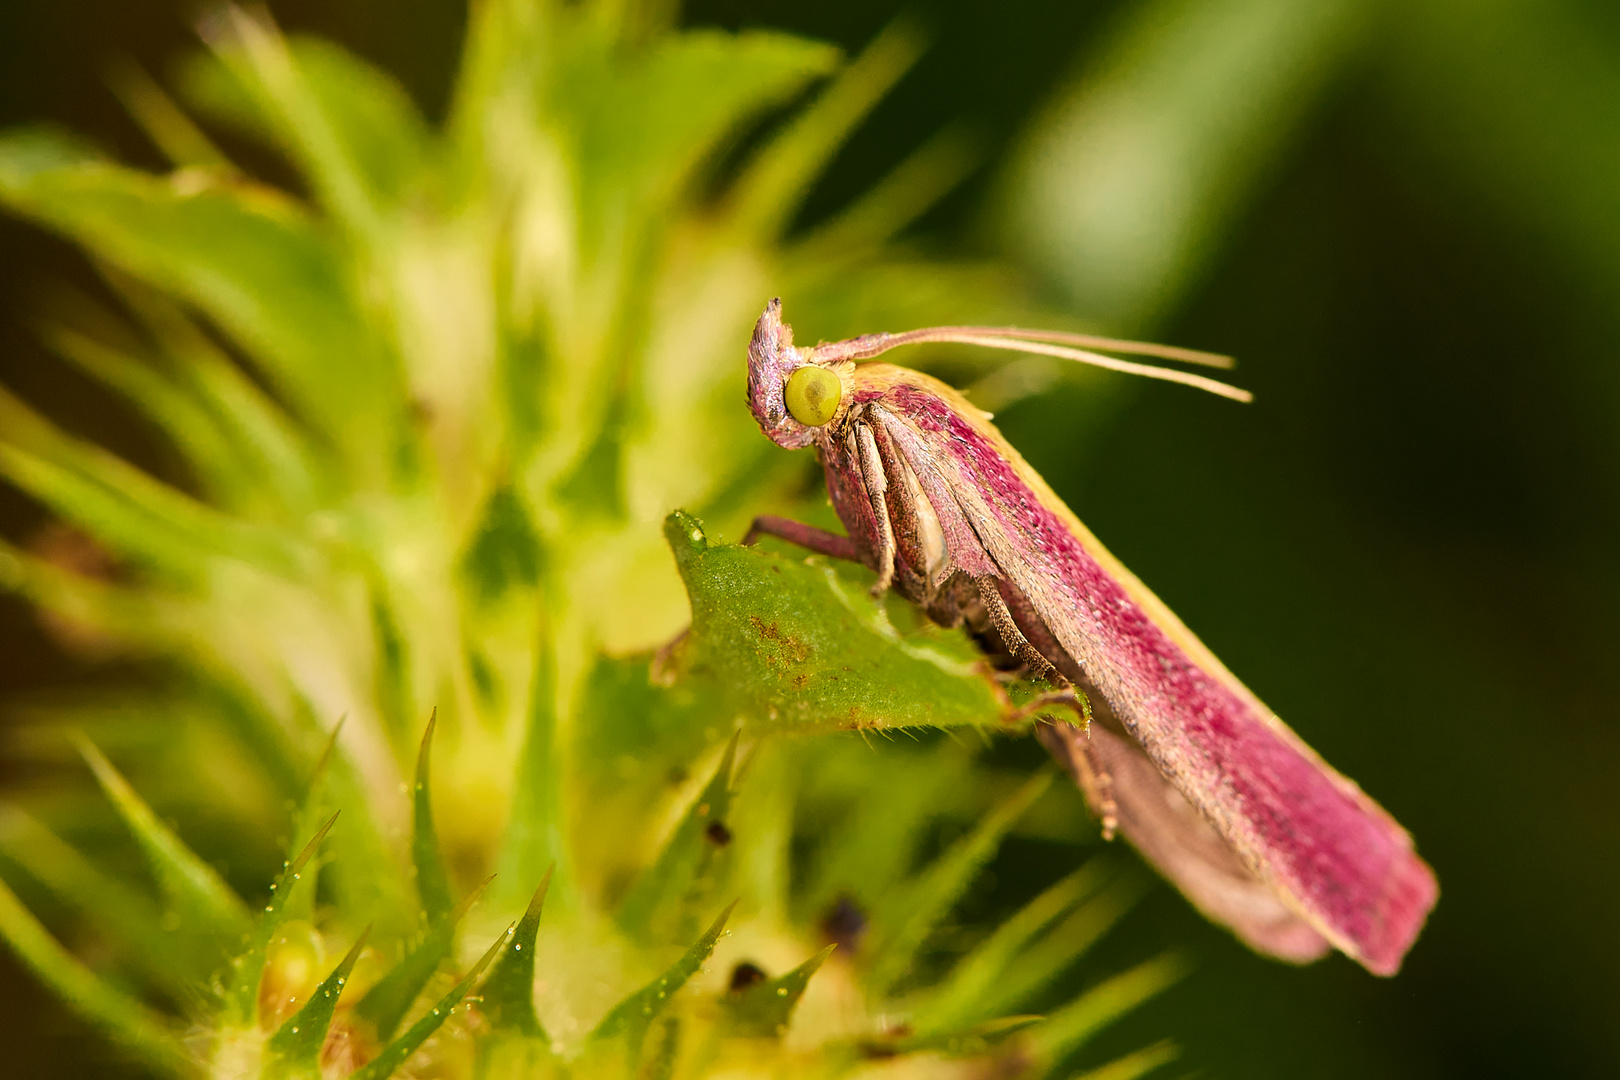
631, 1018
1134, 1065
295, 1049
399, 1051
125, 1021
350, 126
764, 1009
196, 896
1067, 1029
261, 269
432, 881
675, 883
903, 920
804, 650
242, 999
28, 153
387, 1002
658, 114
508, 993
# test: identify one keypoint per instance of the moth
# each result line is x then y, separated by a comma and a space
1232, 807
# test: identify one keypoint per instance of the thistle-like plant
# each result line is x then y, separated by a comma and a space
430, 413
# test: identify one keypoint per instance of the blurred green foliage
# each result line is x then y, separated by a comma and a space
429, 410
1402, 218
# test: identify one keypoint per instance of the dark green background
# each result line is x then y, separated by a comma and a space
1406, 546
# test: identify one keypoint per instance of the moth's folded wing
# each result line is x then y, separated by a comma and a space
1174, 837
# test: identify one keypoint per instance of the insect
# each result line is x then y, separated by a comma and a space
1208, 784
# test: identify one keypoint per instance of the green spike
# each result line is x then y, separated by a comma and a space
390, 998
170, 129
191, 887
1134, 1065
126, 1021
258, 427
534, 839
675, 882
306, 822
905, 920
773, 185
432, 882
957, 1000
1068, 1028
128, 614
761, 851
129, 918
970, 1042
365, 879
631, 1018
242, 1000
123, 507
910, 190
895, 798
397, 1052
764, 1009
172, 407
294, 1051
662, 1058
508, 993
1041, 965
353, 128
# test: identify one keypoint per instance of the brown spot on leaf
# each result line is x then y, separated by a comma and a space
793, 651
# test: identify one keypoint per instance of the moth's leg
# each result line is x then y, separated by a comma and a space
1070, 697
1100, 788
1011, 636
905, 515
876, 483
806, 536
1082, 756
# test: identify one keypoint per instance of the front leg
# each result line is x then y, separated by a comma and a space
809, 537
876, 483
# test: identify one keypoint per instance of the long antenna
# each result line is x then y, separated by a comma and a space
1064, 337
1040, 342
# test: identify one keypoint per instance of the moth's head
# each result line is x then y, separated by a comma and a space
793, 397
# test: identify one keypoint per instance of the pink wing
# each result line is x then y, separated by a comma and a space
1333, 865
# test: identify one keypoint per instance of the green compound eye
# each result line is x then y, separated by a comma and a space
812, 395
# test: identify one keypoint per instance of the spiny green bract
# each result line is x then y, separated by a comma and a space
430, 416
